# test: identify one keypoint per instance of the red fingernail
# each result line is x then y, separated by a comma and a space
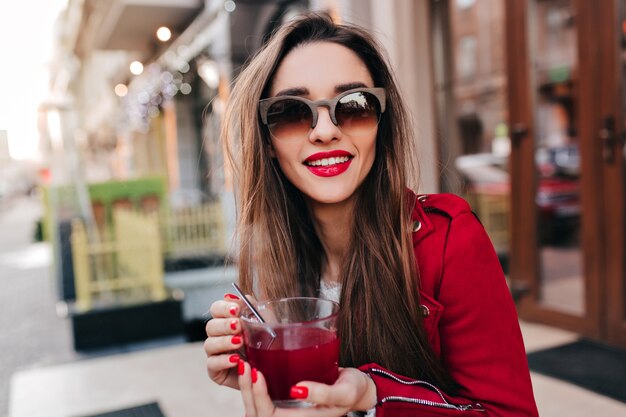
299, 392
254, 375
241, 368
231, 296
233, 310
233, 358
235, 340
233, 324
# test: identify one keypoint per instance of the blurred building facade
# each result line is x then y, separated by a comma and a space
501, 92
16, 177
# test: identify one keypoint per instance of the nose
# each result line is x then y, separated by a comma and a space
325, 130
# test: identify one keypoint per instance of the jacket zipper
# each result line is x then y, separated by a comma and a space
445, 404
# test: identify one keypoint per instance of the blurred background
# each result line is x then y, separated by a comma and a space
117, 212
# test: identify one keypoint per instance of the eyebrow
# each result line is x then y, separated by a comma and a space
302, 91
296, 91
349, 86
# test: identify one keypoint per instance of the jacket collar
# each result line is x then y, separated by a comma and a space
422, 226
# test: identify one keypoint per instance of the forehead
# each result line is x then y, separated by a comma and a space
319, 67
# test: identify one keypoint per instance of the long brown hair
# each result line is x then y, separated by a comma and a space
280, 253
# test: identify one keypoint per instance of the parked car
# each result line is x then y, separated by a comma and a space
557, 197
558, 194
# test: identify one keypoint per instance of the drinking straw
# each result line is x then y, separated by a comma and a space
251, 307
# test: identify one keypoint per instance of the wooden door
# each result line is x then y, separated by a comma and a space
610, 137
557, 237
567, 106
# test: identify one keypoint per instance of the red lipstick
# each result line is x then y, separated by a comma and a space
330, 169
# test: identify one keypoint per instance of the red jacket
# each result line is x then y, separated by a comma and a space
470, 320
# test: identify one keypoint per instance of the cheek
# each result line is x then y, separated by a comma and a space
371, 155
371, 148
285, 156
285, 152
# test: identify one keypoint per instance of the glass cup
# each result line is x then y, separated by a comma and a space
297, 342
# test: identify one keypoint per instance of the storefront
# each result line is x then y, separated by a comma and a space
550, 188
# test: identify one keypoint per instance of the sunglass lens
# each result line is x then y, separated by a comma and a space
289, 118
358, 112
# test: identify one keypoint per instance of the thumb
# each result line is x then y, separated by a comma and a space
337, 395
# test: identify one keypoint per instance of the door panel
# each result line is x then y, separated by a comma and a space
556, 213
611, 137
554, 74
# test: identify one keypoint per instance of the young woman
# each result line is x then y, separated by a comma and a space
324, 152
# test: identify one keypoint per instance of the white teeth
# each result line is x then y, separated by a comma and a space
328, 161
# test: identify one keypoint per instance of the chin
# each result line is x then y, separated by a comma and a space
330, 198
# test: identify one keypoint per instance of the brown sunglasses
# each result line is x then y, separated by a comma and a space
354, 111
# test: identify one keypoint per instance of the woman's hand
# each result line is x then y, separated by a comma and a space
224, 338
353, 391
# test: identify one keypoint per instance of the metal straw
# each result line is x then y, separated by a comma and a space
251, 307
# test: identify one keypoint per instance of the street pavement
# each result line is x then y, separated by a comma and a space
32, 335
35, 338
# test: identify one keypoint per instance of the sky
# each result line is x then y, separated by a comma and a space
25, 48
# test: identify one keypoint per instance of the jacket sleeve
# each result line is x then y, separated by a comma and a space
398, 396
480, 339
481, 342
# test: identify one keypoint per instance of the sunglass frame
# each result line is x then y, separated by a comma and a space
331, 104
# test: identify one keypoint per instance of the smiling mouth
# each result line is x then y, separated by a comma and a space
325, 162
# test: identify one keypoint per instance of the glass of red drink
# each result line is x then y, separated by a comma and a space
305, 346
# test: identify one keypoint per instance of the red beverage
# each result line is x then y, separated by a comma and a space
295, 355
291, 340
